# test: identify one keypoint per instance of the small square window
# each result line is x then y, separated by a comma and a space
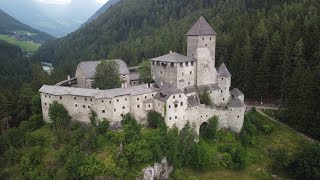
117, 100
152, 95
114, 109
181, 64
203, 39
102, 101
169, 106
179, 95
206, 44
123, 107
138, 106
138, 99
187, 64
84, 106
169, 118
103, 111
192, 63
45, 95
60, 97
174, 97
85, 99
176, 117
90, 99
181, 103
238, 116
88, 107
222, 98
110, 102
190, 72
76, 105
74, 98
149, 105
125, 99
176, 105
45, 104
145, 97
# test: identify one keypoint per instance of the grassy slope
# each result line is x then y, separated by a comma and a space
258, 161
24, 45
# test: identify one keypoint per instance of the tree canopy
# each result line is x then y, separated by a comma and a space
107, 75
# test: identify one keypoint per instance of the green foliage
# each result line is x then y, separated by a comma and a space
211, 129
155, 120
107, 75
145, 71
103, 126
307, 165
205, 98
59, 116
131, 128
201, 158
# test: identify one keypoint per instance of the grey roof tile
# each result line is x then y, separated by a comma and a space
223, 71
209, 87
236, 92
236, 103
200, 28
88, 68
98, 94
174, 57
165, 91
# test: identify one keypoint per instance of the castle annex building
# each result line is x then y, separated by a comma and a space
178, 81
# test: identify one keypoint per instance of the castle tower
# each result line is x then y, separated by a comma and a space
201, 44
201, 35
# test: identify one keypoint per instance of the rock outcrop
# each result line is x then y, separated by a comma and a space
157, 171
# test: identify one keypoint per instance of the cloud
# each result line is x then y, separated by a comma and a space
58, 2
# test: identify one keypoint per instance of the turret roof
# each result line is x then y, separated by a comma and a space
236, 103
201, 27
236, 92
223, 71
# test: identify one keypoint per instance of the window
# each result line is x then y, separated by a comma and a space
102, 101
45, 95
201, 116
152, 95
134, 82
238, 116
221, 90
206, 44
181, 64
173, 97
181, 103
49, 96
222, 98
169, 118
203, 39
84, 106
179, 95
160, 72
189, 83
117, 100
125, 99
91, 99
88, 107
182, 73
145, 97
138, 106
149, 105
210, 39
76, 105
210, 92
169, 106
192, 63
138, 99
190, 72
187, 64
192, 55
175, 105
123, 107
172, 64
114, 109
110, 102
152, 62
176, 117
45, 104
103, 111
85, 99
60, 97
221, 78
206, 115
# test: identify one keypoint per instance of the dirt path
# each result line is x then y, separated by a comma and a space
259, 108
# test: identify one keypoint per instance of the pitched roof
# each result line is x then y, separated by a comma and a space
201, 27
193, 101
223, 71
236, 92
209, 87
98, 94
134, 76
165, 91
88, 68
173, 57
236, 103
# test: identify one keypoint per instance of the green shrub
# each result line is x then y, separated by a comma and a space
155, 120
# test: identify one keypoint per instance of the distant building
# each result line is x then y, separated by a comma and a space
178, 80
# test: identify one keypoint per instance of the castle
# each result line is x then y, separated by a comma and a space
178, 81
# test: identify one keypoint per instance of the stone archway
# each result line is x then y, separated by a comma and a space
203, 129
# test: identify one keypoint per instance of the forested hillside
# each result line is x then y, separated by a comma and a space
271, 47
11, 26
105, 7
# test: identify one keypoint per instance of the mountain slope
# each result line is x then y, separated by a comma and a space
103, 9
14, 28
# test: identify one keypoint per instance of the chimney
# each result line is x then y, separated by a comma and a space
170, 51
69, 78
161, 83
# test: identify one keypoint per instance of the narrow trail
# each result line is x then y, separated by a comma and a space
259, 108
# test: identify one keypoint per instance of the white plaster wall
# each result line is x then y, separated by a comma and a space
177, 114
186, 75
194, 42
206, 71
236, 118
169, 74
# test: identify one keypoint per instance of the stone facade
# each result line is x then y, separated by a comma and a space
178, 81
